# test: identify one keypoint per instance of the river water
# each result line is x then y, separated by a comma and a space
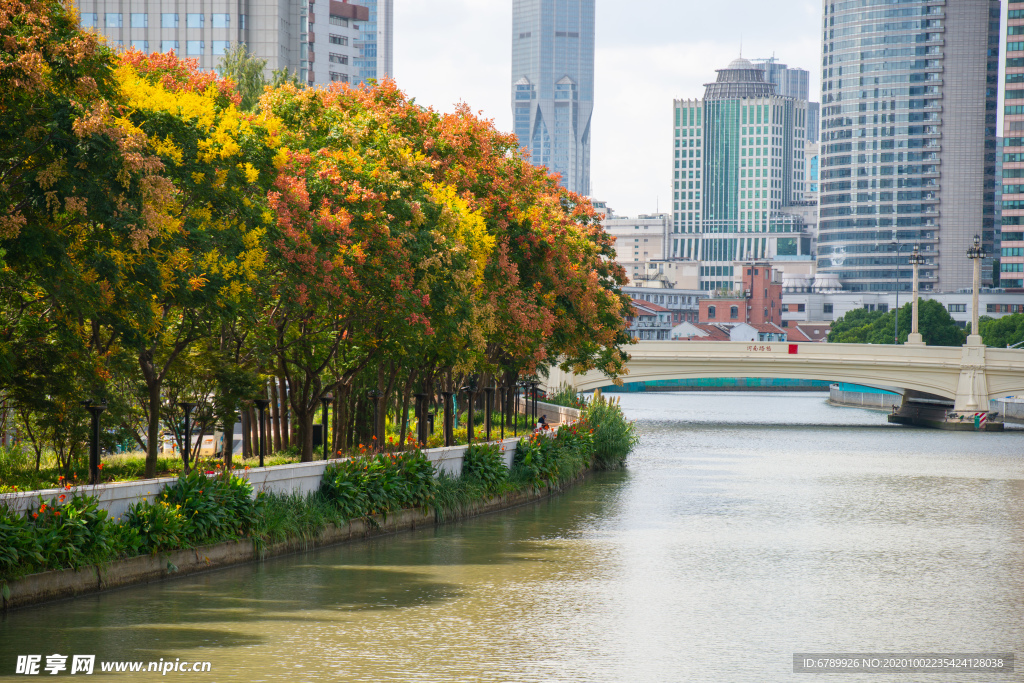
748, 527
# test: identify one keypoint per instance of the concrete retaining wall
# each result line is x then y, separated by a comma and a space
560, 414
56, 585
1012, 409
300, 478
863, 399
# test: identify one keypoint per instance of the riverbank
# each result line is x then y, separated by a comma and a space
43, 587
855, 396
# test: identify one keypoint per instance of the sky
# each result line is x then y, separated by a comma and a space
649, 52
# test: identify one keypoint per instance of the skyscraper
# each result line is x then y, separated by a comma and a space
795, 83
1011, 253
553, 85
738, 161
376, 41
909, 99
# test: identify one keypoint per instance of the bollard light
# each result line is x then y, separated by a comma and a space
261, 406
187, 450
326, 400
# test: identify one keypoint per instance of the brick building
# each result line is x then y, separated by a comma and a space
759, 302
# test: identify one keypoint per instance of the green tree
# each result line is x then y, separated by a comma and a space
854, 327
1002, 332
246, 72
860, 326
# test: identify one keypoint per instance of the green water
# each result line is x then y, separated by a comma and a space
748, 527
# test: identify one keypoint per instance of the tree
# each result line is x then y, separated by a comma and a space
860, 326
246, 72
1002, 332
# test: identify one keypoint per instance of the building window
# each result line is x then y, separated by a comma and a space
168, 45
338, 59
221, 20
168, 21
340, 78
957, 308
195, 47
141, 45
711, 312
221, 46
89, 19
339, 40
113, 20
734, 312
140, 20
335, 20
827, 308
195, 20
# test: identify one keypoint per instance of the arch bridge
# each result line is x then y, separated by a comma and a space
941, 386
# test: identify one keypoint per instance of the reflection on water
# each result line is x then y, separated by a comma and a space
748, 527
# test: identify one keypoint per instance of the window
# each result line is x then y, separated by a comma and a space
113, 20
221, 46
335, 20
141, 45
140, 20
195, 20
339, 40
168, 45
168, 21
828, 308
734, 312
339, 78
221, 20
957, 308
711, 312
89, 19
338, 59
195, 47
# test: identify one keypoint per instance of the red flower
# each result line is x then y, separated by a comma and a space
100, 466
35, 515
61, 498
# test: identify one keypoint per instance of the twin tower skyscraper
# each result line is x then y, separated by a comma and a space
553, 85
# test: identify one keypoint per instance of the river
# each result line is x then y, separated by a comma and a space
748, 527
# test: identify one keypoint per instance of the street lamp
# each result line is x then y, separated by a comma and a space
94, 445
421, 419
534, 383
504, 408
186, 452
915, 338
449, 437
470, 390
896, 325
976, 253
261, 405
488, 407
327, 399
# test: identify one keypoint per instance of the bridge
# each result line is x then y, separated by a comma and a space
941, 386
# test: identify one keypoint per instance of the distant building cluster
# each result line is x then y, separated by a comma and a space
317, 41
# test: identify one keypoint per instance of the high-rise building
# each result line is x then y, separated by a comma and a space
795, 83
553, 85
738, 161
318, 41
1011, 250
909, 106
376, 41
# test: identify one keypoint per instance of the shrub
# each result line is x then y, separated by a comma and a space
214, 508
566, 396
485, 464
614, 436
535, 462
20, 550
151, 528
379, 484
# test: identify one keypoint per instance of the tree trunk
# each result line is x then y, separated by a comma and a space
246, 445
406, 394
227, 452
285, 398
153, 429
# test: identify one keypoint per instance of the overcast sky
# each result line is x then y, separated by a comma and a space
649, 52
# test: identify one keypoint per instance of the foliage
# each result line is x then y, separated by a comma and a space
613, 436
214, 508
485, 463
566, 396
379, 484
246, 72
1002, 332
860, 326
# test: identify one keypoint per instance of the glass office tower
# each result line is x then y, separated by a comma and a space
738, 162
909, 106
795, 83
376, 41
1011, 250
553, 85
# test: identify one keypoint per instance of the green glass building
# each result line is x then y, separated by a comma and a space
738, 163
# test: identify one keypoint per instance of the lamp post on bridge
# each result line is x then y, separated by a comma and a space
915, 338
976, 253
896, 323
